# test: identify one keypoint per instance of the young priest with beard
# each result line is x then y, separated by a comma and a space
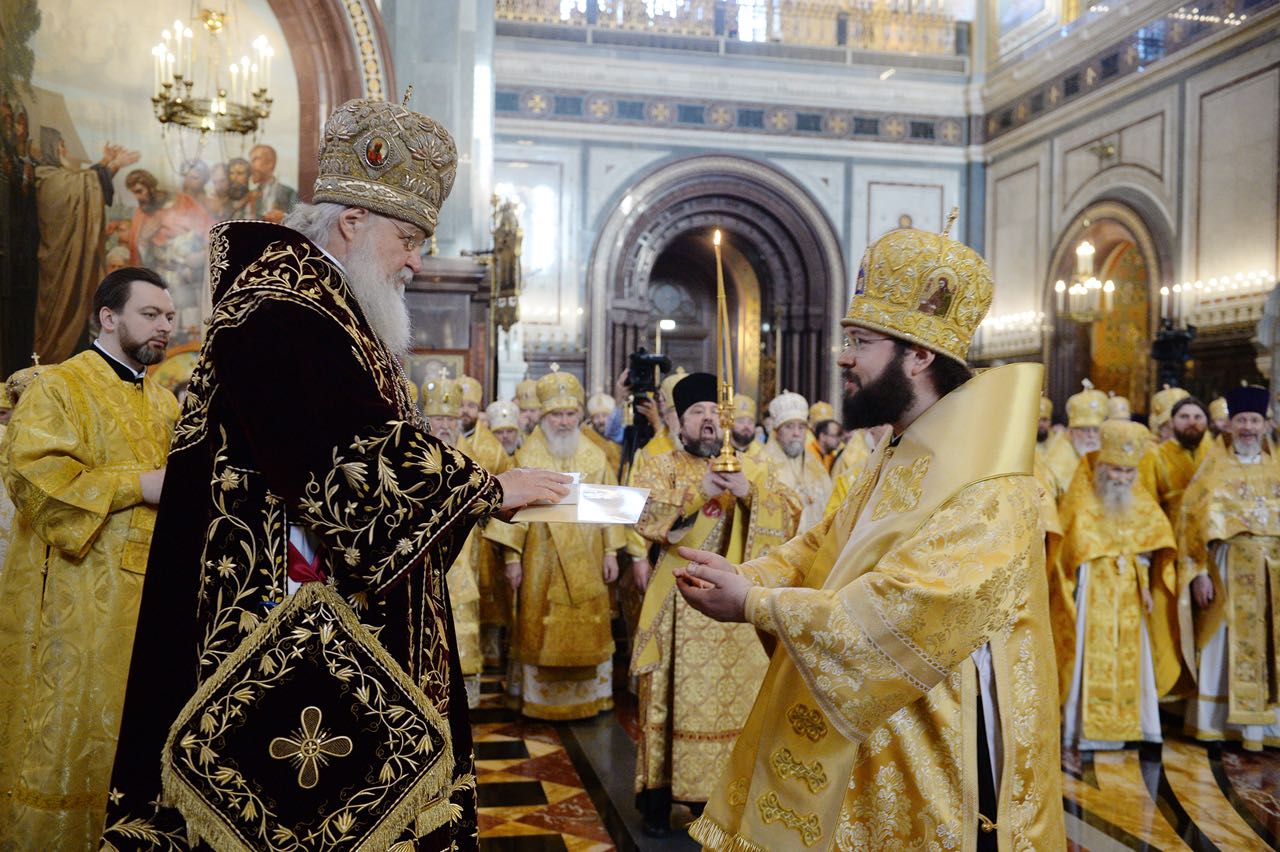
697, 677
910, 697
1165, 472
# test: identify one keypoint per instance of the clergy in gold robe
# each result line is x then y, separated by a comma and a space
823, 450
600, 407
851, 462
1162, 403
910, 697
504, 423
479, 443
1114, 538
561, 645
743, 434
792, 464
663, 441
697, 677
1229, 582
1085, 412
83, 460
1165, 472
527, 401
1044, 428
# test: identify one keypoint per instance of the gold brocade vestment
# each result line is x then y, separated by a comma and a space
562, 643
6, 514
864, 734
1166, 471
1109, 544
806, 476
698, 677
848, 467
612, 451
476, 573
1062, 459
1238, 505
71, 460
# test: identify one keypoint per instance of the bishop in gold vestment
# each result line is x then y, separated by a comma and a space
562, 645
794, 466
1085, 413
81, 438
1229, 582
698, 677
910, 697
1165, 472
1114, 538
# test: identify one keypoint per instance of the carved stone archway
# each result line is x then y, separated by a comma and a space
1067, 349
777, 226
339, 50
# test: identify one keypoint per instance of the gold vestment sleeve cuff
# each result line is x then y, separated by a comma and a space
758, 611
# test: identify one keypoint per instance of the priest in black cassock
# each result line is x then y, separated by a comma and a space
293, 682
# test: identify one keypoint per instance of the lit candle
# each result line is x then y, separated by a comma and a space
177, 27
1164, 303
1060, 289
191, 61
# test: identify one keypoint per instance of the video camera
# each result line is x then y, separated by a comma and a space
642, 371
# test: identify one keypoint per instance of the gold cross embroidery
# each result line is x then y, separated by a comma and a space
310, 748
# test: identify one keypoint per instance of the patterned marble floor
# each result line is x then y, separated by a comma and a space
567, 786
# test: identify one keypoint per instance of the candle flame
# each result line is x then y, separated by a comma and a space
716, 238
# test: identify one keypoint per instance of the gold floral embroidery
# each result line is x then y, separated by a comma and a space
772, 810
812, 774
738, 792
807, 722
310, 748
902, 488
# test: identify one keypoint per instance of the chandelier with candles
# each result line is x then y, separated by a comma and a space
1086, 299
203, 82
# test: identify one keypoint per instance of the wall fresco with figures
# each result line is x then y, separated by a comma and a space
90, 181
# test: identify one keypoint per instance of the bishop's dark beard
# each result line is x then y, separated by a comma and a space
883, 400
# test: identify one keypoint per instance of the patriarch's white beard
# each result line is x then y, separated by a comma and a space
381, 298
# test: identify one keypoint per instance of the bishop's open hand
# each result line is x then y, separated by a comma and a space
710, 585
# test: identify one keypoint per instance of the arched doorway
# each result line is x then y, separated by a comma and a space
1112, 352
653, 259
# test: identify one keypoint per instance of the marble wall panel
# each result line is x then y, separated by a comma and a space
888, 197
1231, 200
1018, 195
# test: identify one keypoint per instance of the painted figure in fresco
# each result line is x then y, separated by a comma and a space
169, 233
272, 199
69, 223
217, 200
241, 200
195, 177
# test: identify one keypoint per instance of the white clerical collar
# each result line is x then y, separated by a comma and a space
138, 375
1255, 458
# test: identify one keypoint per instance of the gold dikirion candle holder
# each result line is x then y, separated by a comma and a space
727, 461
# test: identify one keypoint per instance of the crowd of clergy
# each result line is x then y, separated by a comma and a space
1162, 551
835, 637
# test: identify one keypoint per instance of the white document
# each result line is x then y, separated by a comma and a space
590, 504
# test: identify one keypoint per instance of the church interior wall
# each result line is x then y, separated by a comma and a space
1192, 147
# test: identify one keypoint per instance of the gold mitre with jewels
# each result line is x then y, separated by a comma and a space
601, 403
527, 395
1117, 407
502, 415
820, 411
788, 406
1162, 402
1124, 442
921, 287
744, 406
385, 158
470, 389
558, 390
668, 387
1087, 408
441, 398
1218, 410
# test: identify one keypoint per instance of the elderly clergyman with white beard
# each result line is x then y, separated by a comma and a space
294, 679
1116, 542
791, 464
1229, 573
561, 655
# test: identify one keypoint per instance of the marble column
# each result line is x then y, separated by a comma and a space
444, 49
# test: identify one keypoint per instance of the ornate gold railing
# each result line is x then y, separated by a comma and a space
910, 26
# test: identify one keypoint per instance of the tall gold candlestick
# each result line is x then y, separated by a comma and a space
727, 461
